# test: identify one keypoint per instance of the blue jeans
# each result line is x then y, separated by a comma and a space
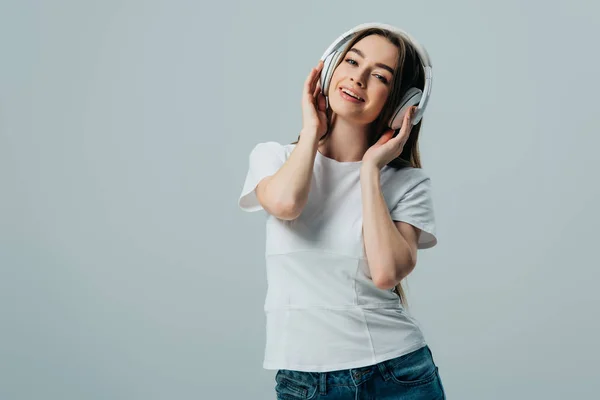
413, 376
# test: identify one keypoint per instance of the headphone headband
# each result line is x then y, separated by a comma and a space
343, 40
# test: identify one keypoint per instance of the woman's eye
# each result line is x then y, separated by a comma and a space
381, 78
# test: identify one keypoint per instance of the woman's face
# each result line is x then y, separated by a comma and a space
366, 72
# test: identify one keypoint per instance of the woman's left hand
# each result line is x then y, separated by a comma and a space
387, 147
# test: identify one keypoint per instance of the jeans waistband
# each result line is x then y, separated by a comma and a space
348, 377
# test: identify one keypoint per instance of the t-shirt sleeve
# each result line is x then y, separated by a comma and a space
265, 160
416, 208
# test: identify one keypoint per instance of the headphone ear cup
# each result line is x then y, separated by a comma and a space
412, 97
327, 72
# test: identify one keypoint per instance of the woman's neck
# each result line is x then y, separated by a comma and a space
346, 142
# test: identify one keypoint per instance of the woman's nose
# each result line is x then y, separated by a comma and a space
358, 81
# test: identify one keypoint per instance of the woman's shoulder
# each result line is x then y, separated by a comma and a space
272, 146
404, 180
408, 174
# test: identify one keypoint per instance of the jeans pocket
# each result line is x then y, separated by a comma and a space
295, 385
413, 369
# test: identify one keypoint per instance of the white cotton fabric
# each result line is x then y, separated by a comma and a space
323, 311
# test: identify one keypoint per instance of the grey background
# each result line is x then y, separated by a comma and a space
127, 270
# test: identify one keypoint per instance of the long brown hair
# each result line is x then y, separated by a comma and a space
409, 73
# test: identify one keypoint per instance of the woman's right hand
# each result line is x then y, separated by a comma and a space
314, 118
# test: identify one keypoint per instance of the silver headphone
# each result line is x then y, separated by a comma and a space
413, 95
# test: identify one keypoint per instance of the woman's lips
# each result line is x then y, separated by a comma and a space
349, 98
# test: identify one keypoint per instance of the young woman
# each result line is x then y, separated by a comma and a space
348, 206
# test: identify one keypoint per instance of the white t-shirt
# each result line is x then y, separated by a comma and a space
323, 312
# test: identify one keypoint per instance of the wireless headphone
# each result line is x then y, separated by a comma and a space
413, 95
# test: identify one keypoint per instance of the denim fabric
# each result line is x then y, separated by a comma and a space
413, 376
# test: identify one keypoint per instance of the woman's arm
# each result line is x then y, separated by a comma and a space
285, 193
391, 247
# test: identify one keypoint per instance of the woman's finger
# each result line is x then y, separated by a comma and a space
317, 76
406, 127
310, 79
386, 137
309, 83
317, 87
